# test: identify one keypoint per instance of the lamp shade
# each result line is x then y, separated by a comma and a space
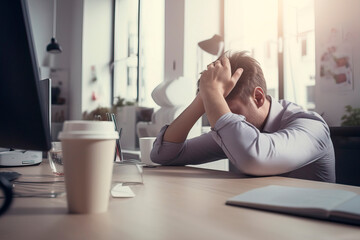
212, 45
53, 47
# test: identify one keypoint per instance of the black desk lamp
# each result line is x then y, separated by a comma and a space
53, 46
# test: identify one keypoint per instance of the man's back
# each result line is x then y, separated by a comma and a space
290, 115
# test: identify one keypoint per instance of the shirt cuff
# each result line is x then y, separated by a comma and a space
160, 143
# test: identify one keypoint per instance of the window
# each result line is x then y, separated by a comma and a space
289, 63
126, 49
299, 52
138, 49
252, 26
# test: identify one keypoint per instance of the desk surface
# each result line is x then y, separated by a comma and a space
173, 203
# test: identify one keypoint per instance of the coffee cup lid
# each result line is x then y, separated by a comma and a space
88, 130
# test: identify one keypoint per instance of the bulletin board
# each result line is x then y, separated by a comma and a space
336, 61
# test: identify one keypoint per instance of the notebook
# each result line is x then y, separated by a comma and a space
328, 204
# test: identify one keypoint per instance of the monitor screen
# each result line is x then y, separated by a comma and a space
23, 121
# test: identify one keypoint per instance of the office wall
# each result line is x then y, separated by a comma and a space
41, 15
96, 47
41, 22
75, 35
68, 34
201, 23
342, 15
174, 39
83, 30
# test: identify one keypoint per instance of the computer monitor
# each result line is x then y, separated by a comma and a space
23, 121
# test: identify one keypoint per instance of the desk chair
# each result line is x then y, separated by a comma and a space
346, 141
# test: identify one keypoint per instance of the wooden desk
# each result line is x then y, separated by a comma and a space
173, 203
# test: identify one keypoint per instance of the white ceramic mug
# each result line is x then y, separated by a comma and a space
88, 154
146, 145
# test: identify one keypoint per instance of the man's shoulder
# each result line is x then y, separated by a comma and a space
294, 117
288, 105
291, 109
283, 114
294, 112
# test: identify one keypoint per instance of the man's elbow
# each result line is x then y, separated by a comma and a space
252, 165
156, 158
159, 158
250, 168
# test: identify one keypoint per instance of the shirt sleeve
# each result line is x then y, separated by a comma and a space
197, 150
299, 143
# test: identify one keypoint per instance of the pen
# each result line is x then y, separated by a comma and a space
120, 131
111, 117
118, 144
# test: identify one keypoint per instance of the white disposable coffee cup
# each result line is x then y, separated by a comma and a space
146, 145
88, 154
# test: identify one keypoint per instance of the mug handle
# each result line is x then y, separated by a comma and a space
6, 187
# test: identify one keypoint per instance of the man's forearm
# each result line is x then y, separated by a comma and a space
178, 130
215, 105
215, 84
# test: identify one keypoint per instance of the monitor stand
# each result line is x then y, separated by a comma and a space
16, 158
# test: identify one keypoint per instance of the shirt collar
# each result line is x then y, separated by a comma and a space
273, 120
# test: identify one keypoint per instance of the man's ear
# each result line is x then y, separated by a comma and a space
259, 97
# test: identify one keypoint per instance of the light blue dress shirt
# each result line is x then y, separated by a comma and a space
294, 143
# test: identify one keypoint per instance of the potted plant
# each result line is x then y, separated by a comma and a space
97, 114
352, 116
121, 102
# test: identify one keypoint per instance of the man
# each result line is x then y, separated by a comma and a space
260, 136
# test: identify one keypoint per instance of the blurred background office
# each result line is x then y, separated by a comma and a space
125, 48
116, 52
